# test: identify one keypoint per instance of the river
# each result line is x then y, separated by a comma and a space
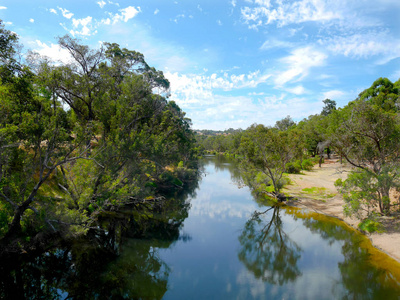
218, 242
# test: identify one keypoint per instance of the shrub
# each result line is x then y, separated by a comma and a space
371, 226
293, 167
307, 165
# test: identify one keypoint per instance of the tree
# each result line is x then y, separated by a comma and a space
268, 150
285, 124
330, 106
60, 168
367, 134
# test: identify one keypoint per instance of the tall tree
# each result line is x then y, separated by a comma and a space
330, 106
367, 134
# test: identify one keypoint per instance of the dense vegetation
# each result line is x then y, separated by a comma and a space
365, 133
82, 138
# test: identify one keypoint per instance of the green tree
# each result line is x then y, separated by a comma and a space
285, 124
268, 150
367, 134
330, 106
59, 169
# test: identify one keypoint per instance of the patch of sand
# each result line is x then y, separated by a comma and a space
322, 197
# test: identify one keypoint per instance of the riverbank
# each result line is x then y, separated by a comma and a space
315, 190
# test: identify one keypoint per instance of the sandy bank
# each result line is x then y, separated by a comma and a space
315, 191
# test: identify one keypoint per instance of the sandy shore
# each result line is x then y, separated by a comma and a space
315, 191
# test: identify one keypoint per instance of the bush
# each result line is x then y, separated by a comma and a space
293, 167
371, 226
307, 165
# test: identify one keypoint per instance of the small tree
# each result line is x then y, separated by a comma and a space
268, 150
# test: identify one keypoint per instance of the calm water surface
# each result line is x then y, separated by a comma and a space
237, 248
219, 243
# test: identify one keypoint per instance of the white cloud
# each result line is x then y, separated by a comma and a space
129, 12
156, 11
52, 10
87, 28
365, 45
54, 52
297, 90
125, 14
284, 13
219, 22
334, 94
180, 16
274, 43
210, 102
32, 20
101, 3
65, 12
300, 62
3, 7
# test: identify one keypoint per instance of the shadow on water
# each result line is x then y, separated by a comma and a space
119, 260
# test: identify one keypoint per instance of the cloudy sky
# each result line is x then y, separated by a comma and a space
232, 63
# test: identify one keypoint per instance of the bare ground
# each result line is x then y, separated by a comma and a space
315, 190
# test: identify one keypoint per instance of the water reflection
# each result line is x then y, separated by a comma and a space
224, 251
267, 250
360, 277
118, 260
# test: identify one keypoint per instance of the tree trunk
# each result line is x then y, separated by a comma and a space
385, 202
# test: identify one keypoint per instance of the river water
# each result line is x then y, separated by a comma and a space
220, 242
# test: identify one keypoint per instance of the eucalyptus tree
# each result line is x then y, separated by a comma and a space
268, 151
61, 167
367, 134
285, 123
329, 107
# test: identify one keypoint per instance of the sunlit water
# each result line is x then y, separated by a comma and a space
219, 243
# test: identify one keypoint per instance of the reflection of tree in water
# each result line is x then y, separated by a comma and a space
121, 262
223, 163
359, 278
267, 251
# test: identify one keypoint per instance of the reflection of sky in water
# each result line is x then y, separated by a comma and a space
218, 198
207, 266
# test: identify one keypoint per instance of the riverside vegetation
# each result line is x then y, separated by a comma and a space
80, 139
365, 134
84, 141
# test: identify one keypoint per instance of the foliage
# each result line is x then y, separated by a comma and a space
294, 167
307, 164
330, 106
367, 134
268, 150
370, 225
80, 138
285, 124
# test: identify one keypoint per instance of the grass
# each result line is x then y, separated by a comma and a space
319, 193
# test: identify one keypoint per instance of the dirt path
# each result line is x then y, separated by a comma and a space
315, 191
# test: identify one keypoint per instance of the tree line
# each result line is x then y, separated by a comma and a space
365, 133
84, 137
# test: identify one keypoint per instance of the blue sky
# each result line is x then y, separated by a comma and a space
232, 63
